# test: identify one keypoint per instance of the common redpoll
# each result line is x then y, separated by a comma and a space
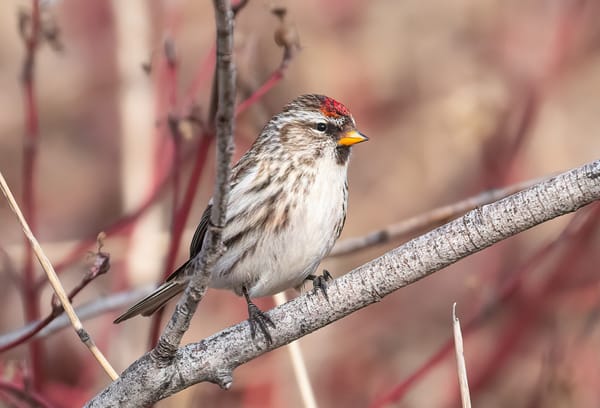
286, 209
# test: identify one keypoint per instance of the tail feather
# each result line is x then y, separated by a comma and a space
153, 301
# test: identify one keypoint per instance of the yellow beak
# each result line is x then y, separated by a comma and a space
352, 137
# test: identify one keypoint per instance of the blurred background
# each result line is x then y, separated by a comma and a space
457, 98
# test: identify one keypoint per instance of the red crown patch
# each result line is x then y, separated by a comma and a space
333, 109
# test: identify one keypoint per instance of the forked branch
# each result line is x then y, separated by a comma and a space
214, 359
202, 264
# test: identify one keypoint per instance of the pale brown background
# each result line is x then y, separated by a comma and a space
431, 83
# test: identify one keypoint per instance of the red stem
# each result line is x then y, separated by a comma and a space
169, 81
176, 176
167, 106
120, 225
34, 399
100, 267
401, 389
183, 213
26, 336
127, 220
568, 26
29, 288
179, 224
202, 75
533, 301
275, 77
507, 292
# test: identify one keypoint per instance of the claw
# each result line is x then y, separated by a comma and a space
257, 318
320, 282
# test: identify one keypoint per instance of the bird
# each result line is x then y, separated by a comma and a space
286, 209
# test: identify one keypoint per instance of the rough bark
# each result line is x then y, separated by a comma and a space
214, 359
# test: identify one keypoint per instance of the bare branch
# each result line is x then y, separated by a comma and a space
99, 267
427, 220
298, 364
30, 30
202, 265
86, 311
213, 359
286, 37
55, 282
460, 360
25, 394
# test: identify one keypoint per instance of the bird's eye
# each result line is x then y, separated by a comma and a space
321, 126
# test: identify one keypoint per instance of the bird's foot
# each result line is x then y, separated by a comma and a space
258, 319
320, 282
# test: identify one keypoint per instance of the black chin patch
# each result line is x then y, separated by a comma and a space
342, 153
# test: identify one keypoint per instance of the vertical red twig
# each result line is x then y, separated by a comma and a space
287, 38
179, 224
120, 225
502, 150
509, 290
101, 266
23, 394
173, 120
401, 389
168, 84
181, 214
532, 301
202, 75
31, 31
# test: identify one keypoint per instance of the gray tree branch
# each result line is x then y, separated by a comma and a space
214, 359
212, 248
98, 307
409, 226
427, 220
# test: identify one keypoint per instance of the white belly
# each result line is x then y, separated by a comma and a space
283, 259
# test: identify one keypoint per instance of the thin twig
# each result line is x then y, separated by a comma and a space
181, 215
427, 220
273, 80
202, 264
22, 393
532, 299
287, 38
99, 267
30, 26
122, 223
508, 290
300, 371
202, 74
86, 311
179, 223
167, 82
236, 8
8, 267
214, 90
214, 359
55, 282
460, 360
